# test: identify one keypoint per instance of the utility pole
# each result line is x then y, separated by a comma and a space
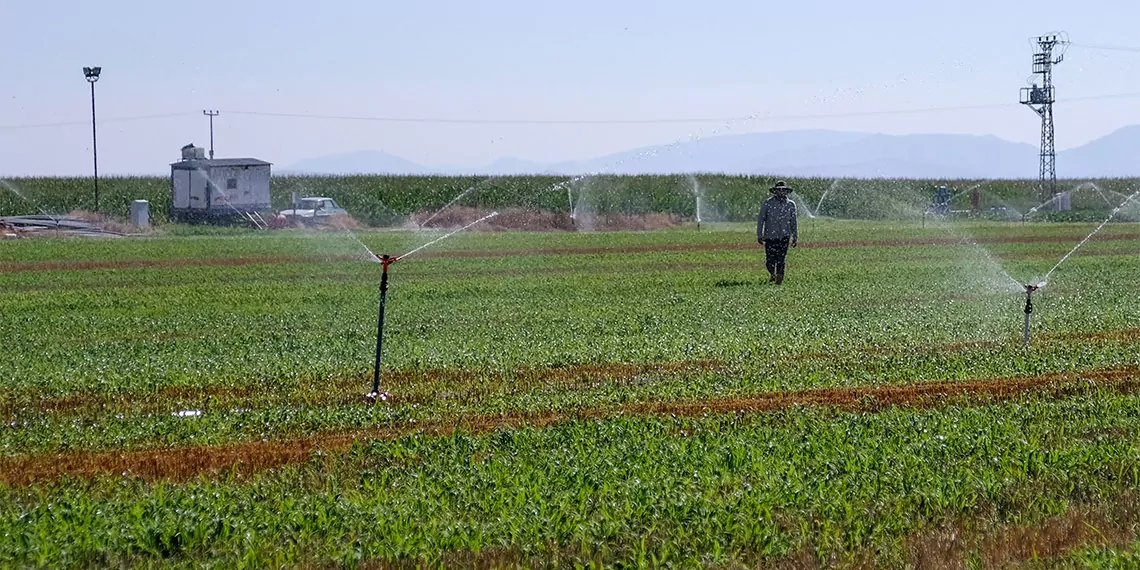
211, 114
1040, 100
92, 75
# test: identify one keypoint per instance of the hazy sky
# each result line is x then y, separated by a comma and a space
532, 60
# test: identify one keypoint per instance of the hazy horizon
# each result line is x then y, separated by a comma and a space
516, 61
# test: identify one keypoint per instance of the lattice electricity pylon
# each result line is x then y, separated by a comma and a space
1041, 100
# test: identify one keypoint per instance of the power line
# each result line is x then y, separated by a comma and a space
663, 120
601, 121
101, 121
575, 121
477, 121
1105, 47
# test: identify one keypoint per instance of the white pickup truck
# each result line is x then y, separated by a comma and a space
313, 209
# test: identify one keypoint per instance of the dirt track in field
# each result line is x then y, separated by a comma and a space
246, 458
87, 264
343, 391
1075, 238
456, 382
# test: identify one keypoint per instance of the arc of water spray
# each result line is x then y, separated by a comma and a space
820, 204
1034, 209
15, 191
1102, 195
1082, 242
441, 238
448, 205
225, 198
1017, 285
1099, 191
728, 125
698, 210
696, 190
372, 256
1118, 194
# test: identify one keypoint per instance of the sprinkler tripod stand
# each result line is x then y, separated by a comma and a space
376, 394
1029, 289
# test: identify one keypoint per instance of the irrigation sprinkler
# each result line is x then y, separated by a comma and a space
1029, 289
386, 260
376, 394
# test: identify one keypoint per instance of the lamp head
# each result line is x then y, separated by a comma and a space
92, 73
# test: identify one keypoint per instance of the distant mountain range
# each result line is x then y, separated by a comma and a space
823, 153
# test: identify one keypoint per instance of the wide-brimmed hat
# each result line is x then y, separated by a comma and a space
780, 185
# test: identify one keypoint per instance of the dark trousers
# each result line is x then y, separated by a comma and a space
775, 251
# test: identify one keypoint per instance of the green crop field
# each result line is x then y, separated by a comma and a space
375, 200
625, 398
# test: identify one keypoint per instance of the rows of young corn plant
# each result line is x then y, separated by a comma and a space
258, 322
269, 337
384, 200
731, 489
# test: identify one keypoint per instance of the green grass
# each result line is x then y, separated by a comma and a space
98, 357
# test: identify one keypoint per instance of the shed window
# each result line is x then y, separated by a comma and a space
231, 184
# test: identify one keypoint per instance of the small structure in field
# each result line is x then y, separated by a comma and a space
218, 190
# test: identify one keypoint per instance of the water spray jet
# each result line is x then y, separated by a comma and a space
385, 260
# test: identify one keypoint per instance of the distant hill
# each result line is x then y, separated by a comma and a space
511, 165
1116, 154
733, 154
907, 156
358, 162
876, 168
822, 153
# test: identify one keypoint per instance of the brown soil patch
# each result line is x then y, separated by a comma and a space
648, 223
110, 223
180, 463
917, 395
335, 222
749, 245
86, 264
468, 384
1074, 238
1101, 524
1118, 334
1109, 523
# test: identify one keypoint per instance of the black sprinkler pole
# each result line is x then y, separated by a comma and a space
1029, 289
386, 260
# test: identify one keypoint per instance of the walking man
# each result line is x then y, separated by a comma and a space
776, 229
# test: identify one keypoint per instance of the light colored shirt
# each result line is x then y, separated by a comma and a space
777, 219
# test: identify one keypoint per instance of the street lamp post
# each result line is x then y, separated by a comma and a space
92, 75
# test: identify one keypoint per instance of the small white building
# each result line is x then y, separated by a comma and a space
203, 189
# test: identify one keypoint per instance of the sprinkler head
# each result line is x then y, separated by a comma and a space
1031, 288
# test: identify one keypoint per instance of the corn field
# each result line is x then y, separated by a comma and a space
378, 200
